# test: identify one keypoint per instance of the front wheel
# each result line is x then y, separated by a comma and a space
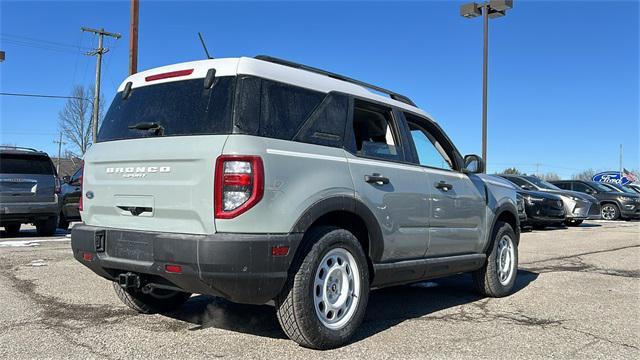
158, 300
497, 277
63, 223
325, 298
610, 212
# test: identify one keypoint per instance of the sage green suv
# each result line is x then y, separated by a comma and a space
259, 179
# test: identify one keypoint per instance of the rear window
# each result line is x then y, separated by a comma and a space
25, 164
180, 107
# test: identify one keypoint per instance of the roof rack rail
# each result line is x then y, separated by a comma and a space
18, 148
393, 95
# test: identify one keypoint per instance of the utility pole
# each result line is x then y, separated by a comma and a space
98, 52
59, 142
133, 38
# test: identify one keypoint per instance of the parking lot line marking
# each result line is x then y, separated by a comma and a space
26, 243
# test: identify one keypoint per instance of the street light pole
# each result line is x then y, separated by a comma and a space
485, 66
489, 10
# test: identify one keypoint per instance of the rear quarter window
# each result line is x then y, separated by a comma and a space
282, 111
25, 164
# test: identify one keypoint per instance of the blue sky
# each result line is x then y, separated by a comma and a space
563, 76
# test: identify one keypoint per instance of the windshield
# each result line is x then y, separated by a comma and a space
179, 107
623, 189
541, 183
611, 187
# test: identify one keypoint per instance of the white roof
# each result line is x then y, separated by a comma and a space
267, 70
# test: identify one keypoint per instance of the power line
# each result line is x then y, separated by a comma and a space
44, 96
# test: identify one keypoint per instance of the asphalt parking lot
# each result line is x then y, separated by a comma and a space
578, 296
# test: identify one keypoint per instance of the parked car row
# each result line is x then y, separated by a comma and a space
616, 201
547, 205
32, 193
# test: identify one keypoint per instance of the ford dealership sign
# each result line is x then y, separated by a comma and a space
611, 177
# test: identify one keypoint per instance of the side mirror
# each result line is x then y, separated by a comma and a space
66, 179
473, 164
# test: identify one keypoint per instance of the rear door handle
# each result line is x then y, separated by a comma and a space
444, 186
376, 179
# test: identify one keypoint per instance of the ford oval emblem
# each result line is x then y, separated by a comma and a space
89, 194
614, 177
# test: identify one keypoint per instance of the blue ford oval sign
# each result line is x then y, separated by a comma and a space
611, 177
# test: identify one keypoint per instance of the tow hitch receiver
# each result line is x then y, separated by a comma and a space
129, 280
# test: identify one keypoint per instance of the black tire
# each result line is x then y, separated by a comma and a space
485, 279
47, 227
12, 230
573, 222
295, 305
63, 223
164, 301
615, 211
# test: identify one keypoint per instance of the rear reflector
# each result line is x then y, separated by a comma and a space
176, 269
87, 256
169, 75
280, 251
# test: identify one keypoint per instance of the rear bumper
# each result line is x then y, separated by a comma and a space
27, 212
238, 267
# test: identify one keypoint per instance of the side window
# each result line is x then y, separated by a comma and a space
581, 188
564, 185
430, 152
374, 133
519, 182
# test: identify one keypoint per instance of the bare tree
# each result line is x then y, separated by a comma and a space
75, 119
511, 171
550, 177
586, 175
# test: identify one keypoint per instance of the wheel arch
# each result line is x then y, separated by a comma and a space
508, 213
348, 213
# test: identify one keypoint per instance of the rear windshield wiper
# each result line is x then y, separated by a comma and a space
157, 129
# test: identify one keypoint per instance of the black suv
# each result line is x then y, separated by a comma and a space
613, 204
28, 190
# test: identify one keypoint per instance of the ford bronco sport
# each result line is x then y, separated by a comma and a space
29, 188
259, 179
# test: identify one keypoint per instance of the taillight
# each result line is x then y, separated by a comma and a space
239, 184
80, 204
57, 186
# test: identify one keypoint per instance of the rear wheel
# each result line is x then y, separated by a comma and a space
610, 212
325, 298
572, 222
497, 277
47, 227
158, 300
12, 230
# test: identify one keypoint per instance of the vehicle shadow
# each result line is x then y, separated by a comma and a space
589, 225
31, 233
387, 307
